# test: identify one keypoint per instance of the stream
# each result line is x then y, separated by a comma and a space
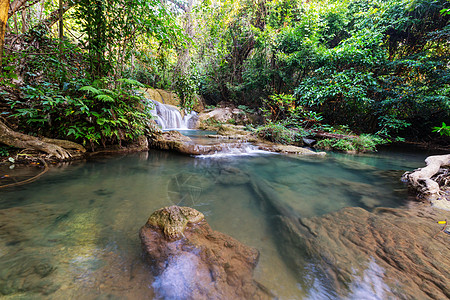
73, 234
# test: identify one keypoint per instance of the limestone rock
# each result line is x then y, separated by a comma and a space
223, 115
172, 220
173, 140
169, 140
287, 149
202, 264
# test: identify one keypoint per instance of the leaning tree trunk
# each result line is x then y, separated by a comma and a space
52, 147
422, 179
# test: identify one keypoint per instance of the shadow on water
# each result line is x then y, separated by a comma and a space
74, 232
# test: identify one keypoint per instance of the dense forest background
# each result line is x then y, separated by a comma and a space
72, 69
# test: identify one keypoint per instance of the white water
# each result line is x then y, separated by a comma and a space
180, 278
370, 285
169, 117
233, 150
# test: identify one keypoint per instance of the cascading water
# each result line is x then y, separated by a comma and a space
169, 117
234, 149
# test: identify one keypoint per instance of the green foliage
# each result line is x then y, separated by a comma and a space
231, 121
362, 143
211, 122
284, 108
279, 106
443, 130
367, 142
278, 133
326, 144
391, 125
112, 28
91, 114
380, 67
8, 72
246, 109
5, 150
185, 87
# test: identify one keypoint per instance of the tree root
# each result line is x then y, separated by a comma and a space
54, 148
431, 179
29, 180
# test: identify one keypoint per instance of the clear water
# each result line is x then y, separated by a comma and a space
73, 234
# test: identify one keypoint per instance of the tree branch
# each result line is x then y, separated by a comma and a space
18, 5
54, 16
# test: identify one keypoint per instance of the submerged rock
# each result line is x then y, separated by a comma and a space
232, 176
186, 188
191, 261
389, 253
396, 245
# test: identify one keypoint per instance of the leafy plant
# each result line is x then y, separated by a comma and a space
231, 121
443, 130
246, 109
362, 143
278, 133
185, 87
326, 144
367, 142
5, 150
343, 145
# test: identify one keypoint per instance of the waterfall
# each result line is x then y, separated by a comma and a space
169, 117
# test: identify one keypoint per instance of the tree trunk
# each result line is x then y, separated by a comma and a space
24, 15
50, 146
421, 179
4, 8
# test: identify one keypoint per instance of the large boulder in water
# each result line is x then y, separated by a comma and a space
191, 261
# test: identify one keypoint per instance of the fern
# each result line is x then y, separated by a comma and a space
90, 89
109, 92
131, 82
104, 98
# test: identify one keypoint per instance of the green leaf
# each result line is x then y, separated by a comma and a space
101, 121
131, 82
90, 89
104, 98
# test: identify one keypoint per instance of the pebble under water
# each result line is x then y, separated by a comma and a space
73, 234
